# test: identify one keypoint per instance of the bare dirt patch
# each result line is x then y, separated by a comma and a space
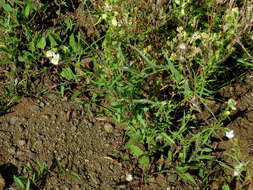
43, 131
51, 130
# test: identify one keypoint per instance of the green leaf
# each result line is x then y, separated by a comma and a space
68, 23
225, 187
19, 182
187, 177
205, 157
175, 73
29, 6
52, 41
136, 150
68, 74
166, 137
72, 43
144, 161
7, 7
41, 43
75, 175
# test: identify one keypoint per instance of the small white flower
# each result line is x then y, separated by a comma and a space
108, 7
55, 59
129, 177
236, 173
230, 134
232, 104
238, 169
50, 53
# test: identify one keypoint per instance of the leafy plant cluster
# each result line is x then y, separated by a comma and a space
153, 65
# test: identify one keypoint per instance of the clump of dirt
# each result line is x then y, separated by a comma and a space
67, 138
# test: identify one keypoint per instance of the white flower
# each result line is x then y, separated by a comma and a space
108, 7
129, 177
55, 59
236, 173
238, 169
50, 53
232, 104
230, 134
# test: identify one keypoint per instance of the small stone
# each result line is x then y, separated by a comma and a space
35, 108
90, 124
53, 117
108, 127
172, 178
21, 142
42, 104
129, 177
45, 117
13, 120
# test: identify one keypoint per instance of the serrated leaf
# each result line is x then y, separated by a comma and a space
144, 161
28, 8
41, 43
68, 74
135, 150
7, 7
72, 43
75, 175
187, 177
52, 41
225, 187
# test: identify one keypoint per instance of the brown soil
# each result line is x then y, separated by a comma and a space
52, 129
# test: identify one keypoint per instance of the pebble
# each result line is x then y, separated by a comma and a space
21, 142
13, 120
90, 124
53, 117
42, 104
45, 117
108, 127
35, 108
172, 178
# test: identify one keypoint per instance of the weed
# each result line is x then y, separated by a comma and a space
152, 65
